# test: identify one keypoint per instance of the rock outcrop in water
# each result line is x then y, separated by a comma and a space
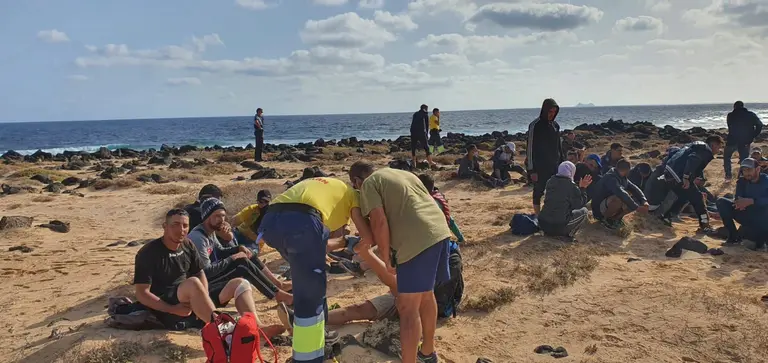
454, 143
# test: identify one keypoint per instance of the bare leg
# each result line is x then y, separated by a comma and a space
361, 311
428, 314
244, 304
336, 244
429, 160
410, 325
536, 209
193, 293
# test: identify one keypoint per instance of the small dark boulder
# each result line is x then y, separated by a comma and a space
634, 144
267, 173
22, 249
320, 143
157, 160
7, 189
187, 148
54, 188
159, 179
145, 179
75, 164
103, 153
340, 155
251, 165
85, 183
45, 179
12, 155
181, 164
72, 180
57, 226
74, 193
12, 222
41, 155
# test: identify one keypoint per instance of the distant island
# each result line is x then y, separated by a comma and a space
585, 105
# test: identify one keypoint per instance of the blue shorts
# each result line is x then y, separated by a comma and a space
421, 273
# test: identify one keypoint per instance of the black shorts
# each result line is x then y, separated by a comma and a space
540, 185
175, 322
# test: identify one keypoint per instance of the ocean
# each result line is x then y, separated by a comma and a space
140, 134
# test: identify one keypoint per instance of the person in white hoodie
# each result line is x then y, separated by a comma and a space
504, 162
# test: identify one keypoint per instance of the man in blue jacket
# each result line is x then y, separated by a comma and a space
681, 172
616, 197
743, 127
750, 208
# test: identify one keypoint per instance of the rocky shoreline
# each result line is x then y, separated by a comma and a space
306, 152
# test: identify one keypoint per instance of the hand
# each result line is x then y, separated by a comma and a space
363, 246
585, 181
181, 309
686, 184
643, 208
698, 181
534, 177
245, 250
225, 227
743, 203
239, 255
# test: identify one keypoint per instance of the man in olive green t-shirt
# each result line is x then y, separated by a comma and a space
405, 218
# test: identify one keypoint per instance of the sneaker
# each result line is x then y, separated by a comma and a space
353, 268
432, 358
733, 241
332, 337
666, 220
340, 255
676, 219
707, 230
336, 269
610, 224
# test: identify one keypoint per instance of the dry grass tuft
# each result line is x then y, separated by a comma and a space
44, 199
492, 299
235, 157
240, 195
55, 175
219, 169
102, 184
173, 175
115, 351
590, 350
446, 159
15, 206
127, 183
503, 220
561, 269
168, 189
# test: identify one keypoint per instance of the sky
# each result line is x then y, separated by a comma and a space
82, 59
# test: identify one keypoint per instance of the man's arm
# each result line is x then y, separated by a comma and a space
741, 187
455, 229
151, 300
380, 233
622, 194
691, 166
378, 266
636, 193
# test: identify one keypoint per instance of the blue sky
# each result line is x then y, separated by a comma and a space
69, 60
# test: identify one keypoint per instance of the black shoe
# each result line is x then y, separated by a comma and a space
707, 230
611, 224
666, 220
421, 358
340, 255
352, 268
332, 337
733, 241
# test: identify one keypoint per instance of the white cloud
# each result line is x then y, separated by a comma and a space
183, 81
746, 15
52, 36
329, 2
202, 43
493, 44
252, 4
542, 16
346, 30
658, 5
77, 77
371, 4
639, 24
432, 7
399, 22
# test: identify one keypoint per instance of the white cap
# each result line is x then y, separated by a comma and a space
511, 146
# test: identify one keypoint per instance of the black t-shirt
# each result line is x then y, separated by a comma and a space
162, 268
195, 214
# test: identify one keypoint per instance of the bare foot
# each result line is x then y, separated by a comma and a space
273, 330
286, 286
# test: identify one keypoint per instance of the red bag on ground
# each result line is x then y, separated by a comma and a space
230, 340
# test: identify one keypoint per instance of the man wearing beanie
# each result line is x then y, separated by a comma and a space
225, 263
298, 224
195, 214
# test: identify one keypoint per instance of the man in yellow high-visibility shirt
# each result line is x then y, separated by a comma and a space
434, 131
298, 224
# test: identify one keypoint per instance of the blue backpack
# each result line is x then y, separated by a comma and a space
524, 224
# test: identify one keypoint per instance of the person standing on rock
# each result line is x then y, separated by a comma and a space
258, 126
419, 131
405, 218
743, 127
545, 152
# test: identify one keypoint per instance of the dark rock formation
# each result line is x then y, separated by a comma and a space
11, 222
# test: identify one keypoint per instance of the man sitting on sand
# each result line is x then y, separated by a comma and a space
208, 191
750, 208
616, 196
564, 211
757, 154
469, 168
504, 162
404, 216
248, 221
169, 280
429, 183
298, 224
226, 263
612, 157
682, 169
589, 167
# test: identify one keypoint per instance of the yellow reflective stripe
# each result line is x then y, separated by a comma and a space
309, 338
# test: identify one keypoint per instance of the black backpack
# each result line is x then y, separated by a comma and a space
448, 294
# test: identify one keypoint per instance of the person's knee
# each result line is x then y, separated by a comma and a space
408, 304
723, 204
193, 283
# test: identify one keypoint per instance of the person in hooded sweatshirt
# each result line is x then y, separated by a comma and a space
504, 162
749, 208
592, 167
419, 132
743, 127
564, 211
640, 175
545, 152
616, 197
682, 169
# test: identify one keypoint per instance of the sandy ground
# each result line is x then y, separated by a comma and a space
586, 297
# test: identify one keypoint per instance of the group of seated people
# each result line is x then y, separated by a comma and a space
615, 188
503, 163
202, 263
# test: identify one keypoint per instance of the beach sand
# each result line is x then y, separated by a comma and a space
521, 292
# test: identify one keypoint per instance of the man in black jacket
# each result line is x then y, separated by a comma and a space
258, 133
743, 127
419, 132
682, 169
545, 150
616, 197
